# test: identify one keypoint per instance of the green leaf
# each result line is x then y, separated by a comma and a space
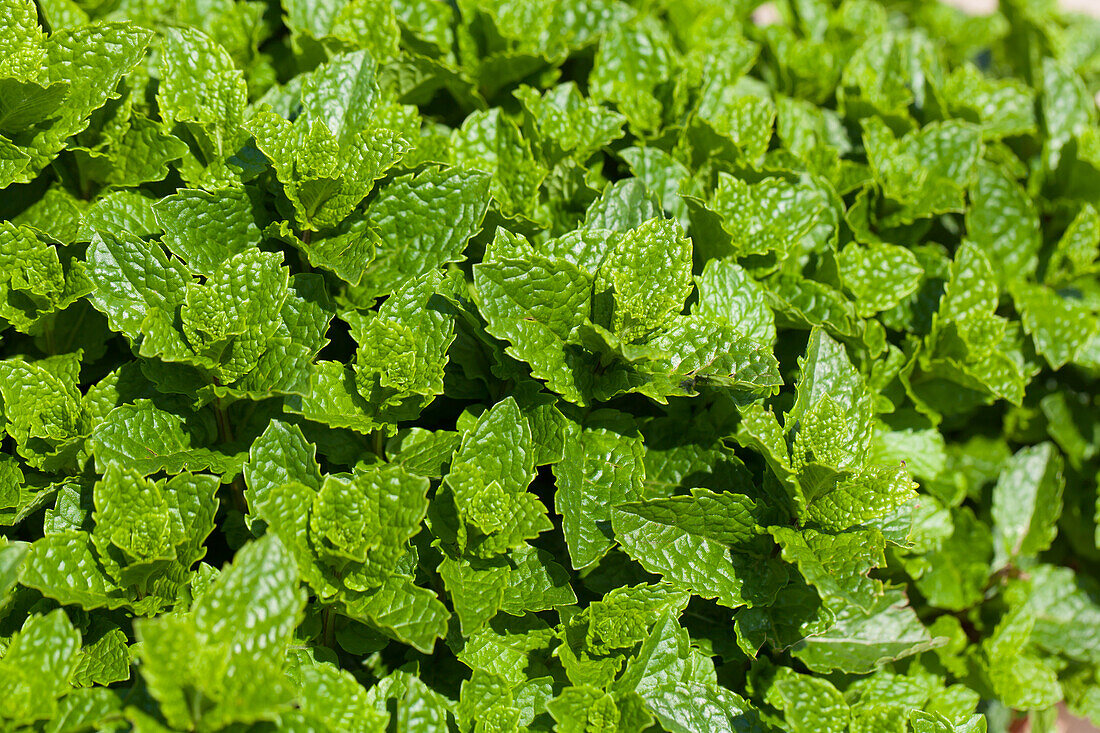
132, 514
33, 279
22, 39
836, 564
599, 470
144, 153
490, 142
64, 567
1063, 606
879, 276
205, 228
36, 667
360, 526
569, 123
643, 280
665, 176
119, 210
477, 590
343, 94
862, 640
1060, 325
423, 452
687, 540
968, 336
147, 439
954, 574
534, 304
324, 180
12, 162
809, 703
839, 500
12, 555
926, 171
1079, 246
535, 583
131, 279
404, 349
1019, 677
489, 476
935, 723
623, 205
584, 708
335, 401
91, 59
225, 328
335, 699
746, 120
833, 411
408, 613
751, 215
1004, 223
678, 687
229, 649
1026, 501
727, 291
202, 90
42, 408
281, 455
104, 659
423, 222
631, 62
1065, 107
505, 648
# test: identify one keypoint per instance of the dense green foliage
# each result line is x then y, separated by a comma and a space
576, 365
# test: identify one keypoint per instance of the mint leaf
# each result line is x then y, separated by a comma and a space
599, 469
146, 439
244, 621
205, 228
861, 640
131, 279
1027, 496
676, 539
423, 222
36, 667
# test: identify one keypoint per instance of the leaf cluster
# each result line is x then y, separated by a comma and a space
559, 365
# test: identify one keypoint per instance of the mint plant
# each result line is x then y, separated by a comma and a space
556, 365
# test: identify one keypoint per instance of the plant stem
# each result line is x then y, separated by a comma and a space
225, 434
225, 430
328, 632
377, 444
303, 261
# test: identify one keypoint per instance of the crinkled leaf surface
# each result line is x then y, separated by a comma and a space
576, 365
